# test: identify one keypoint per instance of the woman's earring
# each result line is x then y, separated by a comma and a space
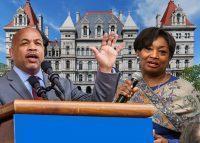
138, 59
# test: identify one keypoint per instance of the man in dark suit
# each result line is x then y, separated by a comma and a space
27, 53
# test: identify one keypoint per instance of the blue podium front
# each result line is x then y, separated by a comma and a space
35, 128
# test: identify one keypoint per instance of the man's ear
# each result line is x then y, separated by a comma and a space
11, 53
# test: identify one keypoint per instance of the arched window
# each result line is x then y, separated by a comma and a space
89, 65
67, 75
186, 49
112, 28
88, 89
79, 88
85, 30
67, 50
57, 53
82, 51
67, 64
80, 77
87, 51
98, 30
20, 19
129, 64
177, 49
78, 51
57, 65
89, 77
49, 53
80, 65
177, 64
186, 63
178, 18
129, 49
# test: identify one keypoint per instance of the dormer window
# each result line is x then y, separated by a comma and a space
113, 28
85, 30
20, 19
98, 30
178, 18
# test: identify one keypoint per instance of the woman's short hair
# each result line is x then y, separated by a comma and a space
148, 35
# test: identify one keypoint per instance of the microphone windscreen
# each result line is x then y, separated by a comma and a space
136, 76
45, 65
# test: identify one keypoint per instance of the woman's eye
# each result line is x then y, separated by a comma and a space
148, 49
163, 52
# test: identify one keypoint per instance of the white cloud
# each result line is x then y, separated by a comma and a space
116, 13
2, 46
54, 26
17, 2
148, 9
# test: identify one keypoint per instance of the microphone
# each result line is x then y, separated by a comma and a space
135, 79
53, 77
40, 91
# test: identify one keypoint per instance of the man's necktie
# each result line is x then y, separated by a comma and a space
34, 93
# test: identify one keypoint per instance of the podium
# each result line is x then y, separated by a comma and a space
29, 121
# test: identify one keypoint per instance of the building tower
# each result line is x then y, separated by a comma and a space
175, 21
24, 17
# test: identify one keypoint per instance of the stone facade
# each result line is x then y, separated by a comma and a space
72, 58
76, 61
175, 21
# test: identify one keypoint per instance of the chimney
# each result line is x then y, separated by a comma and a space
46, 31
120, 17
77, 16
158, 20
40, 24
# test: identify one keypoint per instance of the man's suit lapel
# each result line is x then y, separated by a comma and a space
18, 85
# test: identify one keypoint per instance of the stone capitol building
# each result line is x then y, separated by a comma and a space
71, 56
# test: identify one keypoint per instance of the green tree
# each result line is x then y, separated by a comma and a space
3, 69
192, 74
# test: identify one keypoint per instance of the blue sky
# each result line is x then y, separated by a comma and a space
55, 13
